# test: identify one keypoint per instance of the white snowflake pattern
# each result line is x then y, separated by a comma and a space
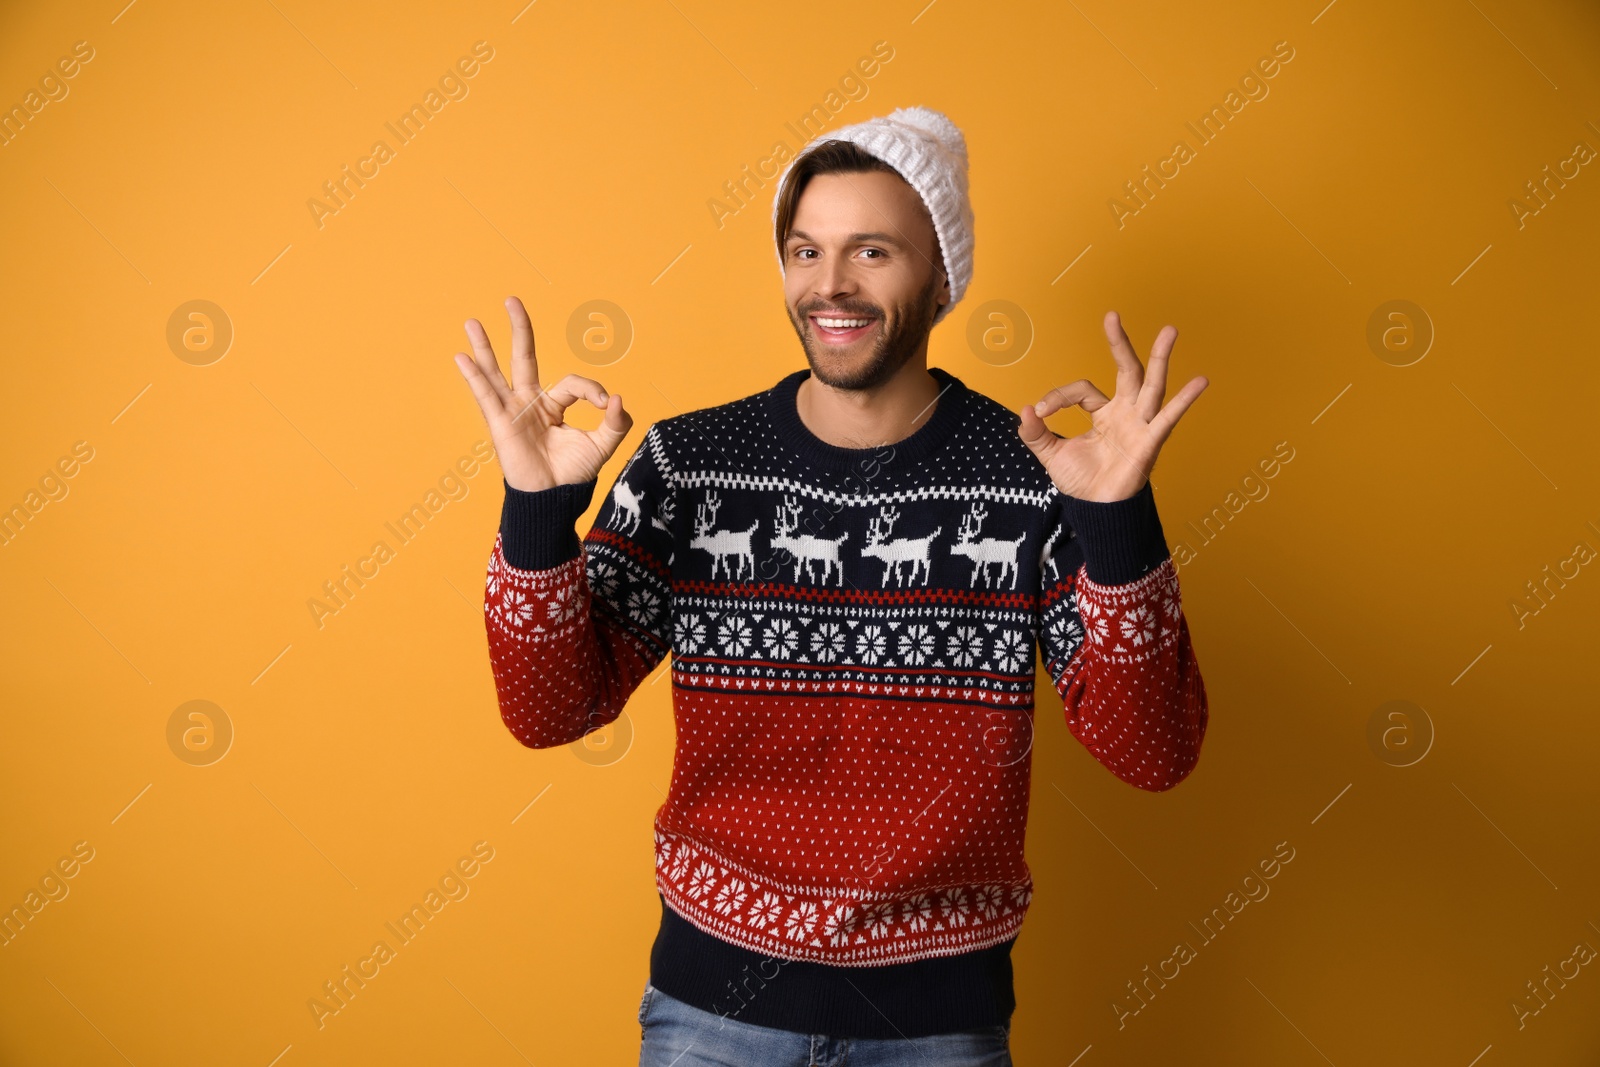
766, 911
644, 605
1096, 623
733, 635
703, 880
516, 608
879, 919
1010, 650
1171, 598
988, 900
827, 642
781, 639
964, 647
917, 912
916, 645
1138, 625
663, 850
840, 924
604, 578
801, 921
561, 604
1066, 632
730, 896
680, 864
955, 907
688, 630
871, 644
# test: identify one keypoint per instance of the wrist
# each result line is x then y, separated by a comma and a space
1122, 539
538, 526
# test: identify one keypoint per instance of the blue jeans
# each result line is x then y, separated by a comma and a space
680, 1035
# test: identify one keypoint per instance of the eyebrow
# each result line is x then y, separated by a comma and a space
855, 238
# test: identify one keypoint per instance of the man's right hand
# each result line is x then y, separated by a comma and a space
537, 449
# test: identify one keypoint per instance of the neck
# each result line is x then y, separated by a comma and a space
869, 418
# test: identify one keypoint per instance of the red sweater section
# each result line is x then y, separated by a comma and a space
840, 814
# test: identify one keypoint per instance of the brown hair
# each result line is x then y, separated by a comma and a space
829, 157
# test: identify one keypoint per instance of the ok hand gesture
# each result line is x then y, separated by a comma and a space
1112, 459
537, 449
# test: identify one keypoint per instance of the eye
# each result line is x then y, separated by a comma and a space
879, 251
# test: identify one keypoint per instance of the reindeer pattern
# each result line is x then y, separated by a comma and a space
723, 544
821, 560
990, 550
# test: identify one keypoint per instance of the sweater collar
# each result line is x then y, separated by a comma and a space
933, 428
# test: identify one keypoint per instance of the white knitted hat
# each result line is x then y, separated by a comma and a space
929, 152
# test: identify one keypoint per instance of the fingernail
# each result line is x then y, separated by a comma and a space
1038, 409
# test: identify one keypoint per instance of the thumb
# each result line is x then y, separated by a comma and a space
1039, 438
613, 428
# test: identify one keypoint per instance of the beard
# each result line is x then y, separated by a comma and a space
900, 334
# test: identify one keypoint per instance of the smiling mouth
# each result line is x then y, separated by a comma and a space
842, 329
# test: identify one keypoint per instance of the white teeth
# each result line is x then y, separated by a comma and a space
842, 324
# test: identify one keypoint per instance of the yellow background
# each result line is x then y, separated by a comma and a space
368, 754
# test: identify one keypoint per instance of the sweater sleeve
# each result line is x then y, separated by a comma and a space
575, 626
1115, 642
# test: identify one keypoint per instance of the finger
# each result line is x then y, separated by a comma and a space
1082, 392
1155, 379
1130, 372
575, 386
1161, 426
1039, 438
488, 400
483, 356
613, 428
524, 365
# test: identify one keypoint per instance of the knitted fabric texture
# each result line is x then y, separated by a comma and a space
930, 153
854, 637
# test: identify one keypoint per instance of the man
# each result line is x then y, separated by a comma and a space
852, 571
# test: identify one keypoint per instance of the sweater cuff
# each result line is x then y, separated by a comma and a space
538, 528
1120, 539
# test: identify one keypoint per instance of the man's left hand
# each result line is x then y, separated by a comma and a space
1113, 458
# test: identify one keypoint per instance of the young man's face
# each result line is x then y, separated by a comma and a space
862, 247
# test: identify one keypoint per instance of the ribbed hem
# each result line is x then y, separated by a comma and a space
1121, 539
538, 530
934, 427
942, 994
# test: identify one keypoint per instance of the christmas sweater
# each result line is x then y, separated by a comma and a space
854, 635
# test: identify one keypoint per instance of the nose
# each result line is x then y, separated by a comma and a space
835, 281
